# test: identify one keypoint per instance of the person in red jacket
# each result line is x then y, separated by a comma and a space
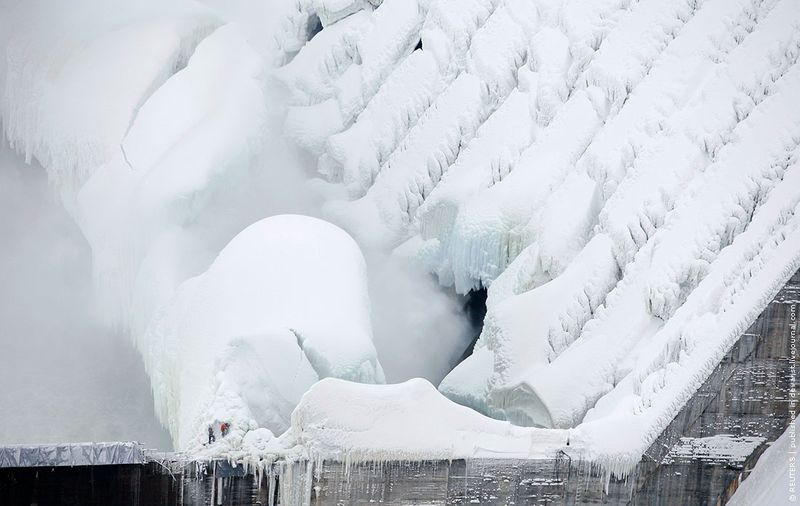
224, 428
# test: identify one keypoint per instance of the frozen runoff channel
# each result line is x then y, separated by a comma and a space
621, 175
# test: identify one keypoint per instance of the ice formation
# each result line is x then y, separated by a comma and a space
622, 175
54, 77
283, 304
160, 195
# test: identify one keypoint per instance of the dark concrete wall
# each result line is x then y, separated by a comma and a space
85, 485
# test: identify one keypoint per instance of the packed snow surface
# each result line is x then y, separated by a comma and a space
774, 478
407, 420
621, 175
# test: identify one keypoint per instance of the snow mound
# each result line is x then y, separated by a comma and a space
409, 420
771, 480
292, 287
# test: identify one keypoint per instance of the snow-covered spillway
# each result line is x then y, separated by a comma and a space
284, 304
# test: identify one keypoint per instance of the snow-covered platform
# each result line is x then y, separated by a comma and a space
701, 458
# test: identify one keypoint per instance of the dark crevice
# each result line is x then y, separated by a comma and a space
314, 26
475, 311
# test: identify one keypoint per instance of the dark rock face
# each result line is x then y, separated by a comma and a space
702, 456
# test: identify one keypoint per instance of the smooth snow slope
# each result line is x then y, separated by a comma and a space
404, 421
774, 478
621, 174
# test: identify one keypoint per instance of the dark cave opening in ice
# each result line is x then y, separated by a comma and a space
475, 309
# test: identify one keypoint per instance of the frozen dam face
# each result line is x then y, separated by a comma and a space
283, 304
621, 176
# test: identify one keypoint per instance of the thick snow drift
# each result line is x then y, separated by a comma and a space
283, 304
409, 420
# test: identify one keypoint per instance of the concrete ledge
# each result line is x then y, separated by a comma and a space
71, 454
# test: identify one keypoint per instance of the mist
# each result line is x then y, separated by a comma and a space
63, 376
421, 330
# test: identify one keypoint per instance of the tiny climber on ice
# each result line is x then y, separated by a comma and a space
211, 437
224, 428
